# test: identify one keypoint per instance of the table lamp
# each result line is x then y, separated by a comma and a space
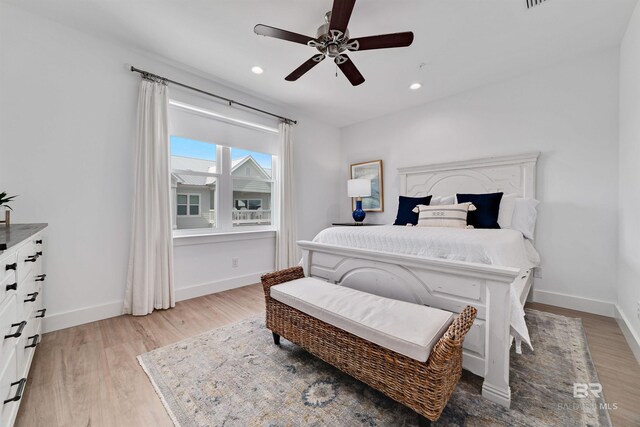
359, 188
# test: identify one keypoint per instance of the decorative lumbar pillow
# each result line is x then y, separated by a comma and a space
487, 209
524, 217
507, 205
444, 215
406, 215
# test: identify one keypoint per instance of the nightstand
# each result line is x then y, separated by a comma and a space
354, 224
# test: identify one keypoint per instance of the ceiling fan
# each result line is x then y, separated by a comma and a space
333, 40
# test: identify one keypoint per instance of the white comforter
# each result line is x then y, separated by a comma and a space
506, 248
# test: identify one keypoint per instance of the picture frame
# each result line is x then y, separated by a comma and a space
370, 170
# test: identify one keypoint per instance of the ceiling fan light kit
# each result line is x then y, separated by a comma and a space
333, 40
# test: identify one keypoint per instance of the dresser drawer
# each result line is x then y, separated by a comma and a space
8, 317
8, 286
31, 336
8, 265
11, 387
26, 346
28, 296
27, 259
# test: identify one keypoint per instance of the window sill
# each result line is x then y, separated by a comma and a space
191, 237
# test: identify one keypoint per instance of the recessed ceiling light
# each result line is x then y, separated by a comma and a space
415, 86
257, 70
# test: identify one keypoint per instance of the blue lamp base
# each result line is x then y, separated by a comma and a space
359, 214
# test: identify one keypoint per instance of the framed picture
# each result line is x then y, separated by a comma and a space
373, 171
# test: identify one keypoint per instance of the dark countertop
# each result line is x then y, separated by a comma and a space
16, 233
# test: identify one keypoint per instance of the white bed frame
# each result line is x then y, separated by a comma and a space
450, 285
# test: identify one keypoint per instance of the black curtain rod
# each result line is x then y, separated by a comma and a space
222, 98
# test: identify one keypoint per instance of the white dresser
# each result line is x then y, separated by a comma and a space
22, 280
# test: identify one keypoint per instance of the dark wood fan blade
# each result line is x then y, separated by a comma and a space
265, 30
301, 70
340, 14
349, 69
384, 41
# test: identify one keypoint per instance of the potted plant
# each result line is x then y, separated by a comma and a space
4, 202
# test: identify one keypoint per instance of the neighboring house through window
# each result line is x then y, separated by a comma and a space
198, 186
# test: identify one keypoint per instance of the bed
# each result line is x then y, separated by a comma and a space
491, 270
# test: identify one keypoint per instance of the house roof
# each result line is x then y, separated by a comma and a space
181, 165
235, 164
186, 179
193, 164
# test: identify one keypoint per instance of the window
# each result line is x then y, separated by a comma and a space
194, 180
250, 204
251, 173
220, 188
188, 204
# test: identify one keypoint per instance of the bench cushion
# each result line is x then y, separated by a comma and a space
403, 327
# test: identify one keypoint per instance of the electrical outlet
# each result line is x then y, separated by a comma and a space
537, 272
234, 262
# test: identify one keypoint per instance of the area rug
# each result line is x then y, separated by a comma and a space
236, 376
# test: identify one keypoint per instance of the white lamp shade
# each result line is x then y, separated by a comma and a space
359, 187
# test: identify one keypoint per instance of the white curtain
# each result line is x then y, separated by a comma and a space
150, 277
286, 248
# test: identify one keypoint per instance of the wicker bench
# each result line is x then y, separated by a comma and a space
423, 386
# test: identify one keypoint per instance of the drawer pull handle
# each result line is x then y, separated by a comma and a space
41, 277
18, 394
39, 253
32, 258
12, 287
13, 266
33, 297
17, 334
38, 242
42, 313
34, 343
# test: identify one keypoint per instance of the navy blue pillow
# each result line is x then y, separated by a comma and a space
487, 209
405, 209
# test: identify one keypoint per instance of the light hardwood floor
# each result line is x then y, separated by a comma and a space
89, 376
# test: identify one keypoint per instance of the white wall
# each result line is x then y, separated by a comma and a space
568, 112
629, 243
67, 120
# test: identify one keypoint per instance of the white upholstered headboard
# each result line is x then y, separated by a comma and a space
509, 174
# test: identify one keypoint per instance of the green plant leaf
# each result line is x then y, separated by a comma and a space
4, 200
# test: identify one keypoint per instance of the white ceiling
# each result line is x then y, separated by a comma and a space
462, 43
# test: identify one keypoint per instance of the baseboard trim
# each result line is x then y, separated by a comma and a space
588, 305
217, 286
68, 319
632, 339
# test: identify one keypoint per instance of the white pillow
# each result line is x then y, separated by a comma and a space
524, 216
444, 215
505, 213
442, 200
